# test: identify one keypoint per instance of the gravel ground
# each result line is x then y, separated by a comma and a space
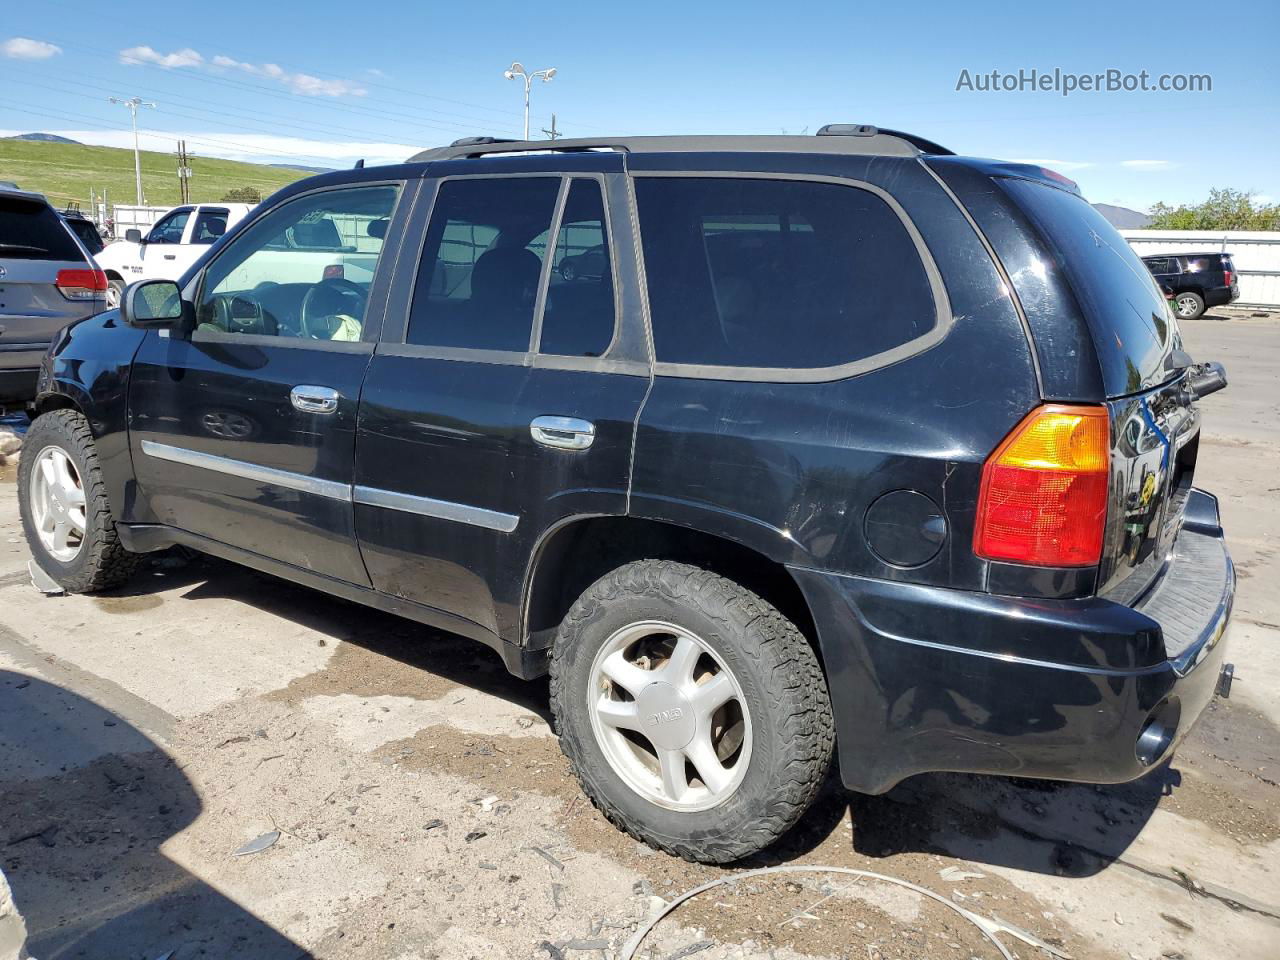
420, 807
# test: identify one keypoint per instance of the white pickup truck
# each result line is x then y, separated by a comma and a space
309, 251
172, 244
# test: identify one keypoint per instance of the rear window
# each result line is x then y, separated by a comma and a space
31, 230
777, 273
1122, 304
87, 233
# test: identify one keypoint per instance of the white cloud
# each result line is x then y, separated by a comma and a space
375, 72
24, 48
300, 83
186, 57
249, 147
1147, 164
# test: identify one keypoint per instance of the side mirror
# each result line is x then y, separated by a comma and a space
1206, 378
133, 235
153, 304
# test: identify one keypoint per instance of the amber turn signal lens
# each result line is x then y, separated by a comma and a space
1044, 490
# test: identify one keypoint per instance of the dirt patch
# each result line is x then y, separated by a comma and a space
1232, 744
854, 923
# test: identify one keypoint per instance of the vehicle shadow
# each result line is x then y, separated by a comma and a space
87, 801
1041, 826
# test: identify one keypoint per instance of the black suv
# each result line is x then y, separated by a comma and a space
1198, 280
850, 443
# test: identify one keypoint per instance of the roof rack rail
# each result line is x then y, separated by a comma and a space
832, 139
866, 130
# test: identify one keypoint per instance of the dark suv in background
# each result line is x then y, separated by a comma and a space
1198, 280
843, 442
47, 280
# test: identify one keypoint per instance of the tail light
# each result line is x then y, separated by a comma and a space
1044, 490
81, 284
334, 271
1226, 276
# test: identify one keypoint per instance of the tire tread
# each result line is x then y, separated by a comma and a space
796, 684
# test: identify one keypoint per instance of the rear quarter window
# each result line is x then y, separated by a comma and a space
32, 230
1127, 315
778, 274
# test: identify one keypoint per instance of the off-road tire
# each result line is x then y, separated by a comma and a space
782, 682
102, 562
1189, 295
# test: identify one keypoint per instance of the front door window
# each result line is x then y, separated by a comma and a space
304, 270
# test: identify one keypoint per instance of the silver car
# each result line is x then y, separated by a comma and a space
47, 280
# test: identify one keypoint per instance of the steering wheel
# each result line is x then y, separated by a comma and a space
239, 313
325, 301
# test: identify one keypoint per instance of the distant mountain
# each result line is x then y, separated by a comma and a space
1122, 218
45, 137
298, 166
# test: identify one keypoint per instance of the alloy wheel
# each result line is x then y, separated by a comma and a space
669, 716
58, 504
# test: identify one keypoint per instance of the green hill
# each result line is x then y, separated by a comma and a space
65, 172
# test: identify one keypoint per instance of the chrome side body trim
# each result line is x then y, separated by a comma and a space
440, 509
249, 471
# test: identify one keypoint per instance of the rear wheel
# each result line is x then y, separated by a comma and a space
1188, 305
63, 502
696, 716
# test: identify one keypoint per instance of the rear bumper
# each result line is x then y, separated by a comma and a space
929, 679
18, 386
1221, 296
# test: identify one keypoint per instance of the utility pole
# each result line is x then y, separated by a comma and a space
517, 70
133, 103
184, 172
553, 132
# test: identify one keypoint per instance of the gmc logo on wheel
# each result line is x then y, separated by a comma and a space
665, 716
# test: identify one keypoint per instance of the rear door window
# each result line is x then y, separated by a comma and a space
31, 230
1122, 304
481, 264
766, 273
211, 223
578, 319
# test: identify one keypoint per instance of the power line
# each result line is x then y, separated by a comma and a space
404, 113
268, 122
370, 82
91, 122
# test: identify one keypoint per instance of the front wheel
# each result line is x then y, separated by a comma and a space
696, 716
63, 502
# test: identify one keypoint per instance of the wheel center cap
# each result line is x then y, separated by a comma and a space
666, 716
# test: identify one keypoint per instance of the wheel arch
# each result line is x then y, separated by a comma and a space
58, 400
577, 553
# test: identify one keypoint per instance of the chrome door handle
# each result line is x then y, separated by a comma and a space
564, 433
311, 399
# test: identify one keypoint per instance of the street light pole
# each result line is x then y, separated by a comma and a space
517, 70
133, 103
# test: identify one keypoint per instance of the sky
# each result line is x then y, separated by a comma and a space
324, 83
